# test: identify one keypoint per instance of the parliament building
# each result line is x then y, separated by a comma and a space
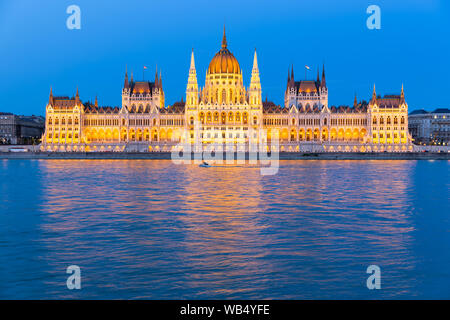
225, 113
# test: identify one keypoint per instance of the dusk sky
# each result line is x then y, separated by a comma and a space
38, 51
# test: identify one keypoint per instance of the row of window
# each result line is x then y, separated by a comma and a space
275, 122
101, 122
63, 121
349, 122
63, 136
388, 120
388, 135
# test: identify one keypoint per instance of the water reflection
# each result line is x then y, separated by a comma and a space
150, 229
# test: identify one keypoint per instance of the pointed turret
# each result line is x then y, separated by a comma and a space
402, 95
323, 83
255, 62
255, 83
292, 73
355, 102
77, 98
192, 66
156, 78
96, 101
126, 84
131, 80
374, 95
50, 99
192, 86
318, 77
160, 80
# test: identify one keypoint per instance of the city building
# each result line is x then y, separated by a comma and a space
15, 129
430, 127
224, 113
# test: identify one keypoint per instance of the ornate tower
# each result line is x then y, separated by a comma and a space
192, 86
254, 91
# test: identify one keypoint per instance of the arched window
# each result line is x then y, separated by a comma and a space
56, 121
238, 117
255, 120
402, 120
374, 120
395, 120
230, 117
293, 121
192, 121
381, 120
388, 120
63, 121
50, 120
244, 118
325, 121
224, 117
224, 96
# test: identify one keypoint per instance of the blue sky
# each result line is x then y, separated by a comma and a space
38, 51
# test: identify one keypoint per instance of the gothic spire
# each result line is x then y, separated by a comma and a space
255, 62
96, 101
355, 103
192, 67
50, 99
77, 97
224, 39
402, 94
324, 82
374, 94
126, 83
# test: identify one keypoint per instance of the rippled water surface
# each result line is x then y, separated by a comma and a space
155, 230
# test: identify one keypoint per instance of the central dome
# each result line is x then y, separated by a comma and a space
224, 61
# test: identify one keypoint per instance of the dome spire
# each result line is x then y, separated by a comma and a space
224, 39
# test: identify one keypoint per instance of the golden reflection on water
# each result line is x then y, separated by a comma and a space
183, 231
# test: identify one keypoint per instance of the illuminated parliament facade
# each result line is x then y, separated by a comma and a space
226, 113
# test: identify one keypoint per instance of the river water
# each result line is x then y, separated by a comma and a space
155, 230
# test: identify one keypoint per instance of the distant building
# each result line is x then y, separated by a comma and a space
430, 127
15, 129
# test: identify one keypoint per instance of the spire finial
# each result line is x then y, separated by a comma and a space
192, 67
374, 94
402, 94
255, 61
126, 84
224, 39
50, 99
